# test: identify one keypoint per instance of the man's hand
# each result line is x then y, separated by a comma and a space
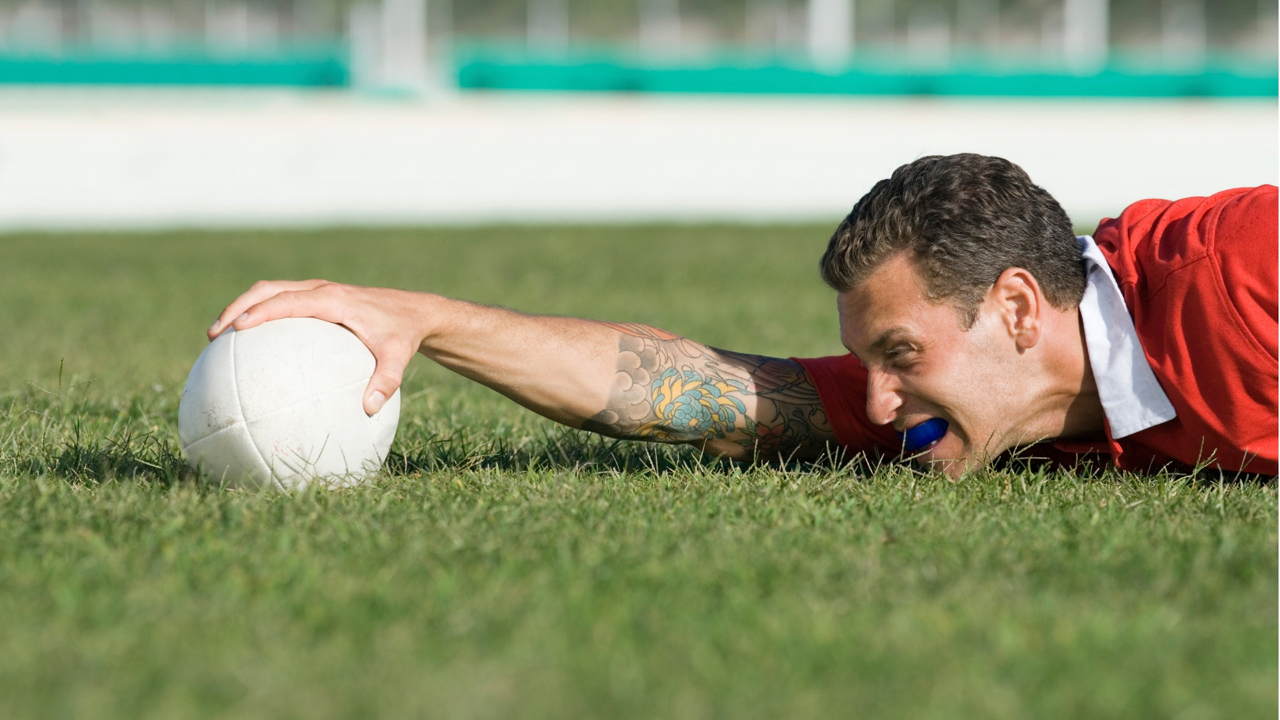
391, 323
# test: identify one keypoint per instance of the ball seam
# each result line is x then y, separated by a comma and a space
235, 381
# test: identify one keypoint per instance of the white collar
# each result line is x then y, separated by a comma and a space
1130, 393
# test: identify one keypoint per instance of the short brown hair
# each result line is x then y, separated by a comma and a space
965, 219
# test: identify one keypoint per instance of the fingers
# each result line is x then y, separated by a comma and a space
324, 303
259, 292
386, 379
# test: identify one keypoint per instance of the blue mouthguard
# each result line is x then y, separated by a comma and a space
920, 436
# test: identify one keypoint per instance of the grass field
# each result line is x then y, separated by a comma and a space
503, 567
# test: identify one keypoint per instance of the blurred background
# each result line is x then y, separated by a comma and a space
149, 113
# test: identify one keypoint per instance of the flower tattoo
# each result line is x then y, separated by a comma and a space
671, 389
688, 403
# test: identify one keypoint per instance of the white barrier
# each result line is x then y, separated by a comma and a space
151, 158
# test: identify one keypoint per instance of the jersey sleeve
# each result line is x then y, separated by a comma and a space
841, 382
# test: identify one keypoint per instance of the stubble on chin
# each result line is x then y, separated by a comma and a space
964, 461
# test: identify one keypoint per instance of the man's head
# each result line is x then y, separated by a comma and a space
950, 274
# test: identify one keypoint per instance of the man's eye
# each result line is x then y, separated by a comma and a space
899, 356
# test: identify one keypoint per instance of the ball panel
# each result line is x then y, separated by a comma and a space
287, 361
328, 437
229, 457
209, 399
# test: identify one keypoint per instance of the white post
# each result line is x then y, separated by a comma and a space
978, 23
1084, 34
364, 43
830, 32
659, 26
929, 35
36, 25
226, 25
547, 26
1265, 26
1183, 34
403, 61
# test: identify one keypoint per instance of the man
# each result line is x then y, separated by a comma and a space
967, 304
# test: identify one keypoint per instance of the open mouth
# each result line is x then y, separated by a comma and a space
923, 436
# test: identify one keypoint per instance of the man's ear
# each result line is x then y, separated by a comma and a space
1020, 304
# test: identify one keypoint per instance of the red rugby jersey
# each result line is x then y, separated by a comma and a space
1199, 277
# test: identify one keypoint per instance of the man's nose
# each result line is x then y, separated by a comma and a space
883, 398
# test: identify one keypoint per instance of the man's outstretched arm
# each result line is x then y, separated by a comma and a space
621, 380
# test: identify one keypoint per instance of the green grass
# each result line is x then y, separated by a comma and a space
503, 567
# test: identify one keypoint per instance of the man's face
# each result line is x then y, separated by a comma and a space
922, 363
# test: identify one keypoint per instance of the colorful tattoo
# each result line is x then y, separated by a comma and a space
670, 389
689, 404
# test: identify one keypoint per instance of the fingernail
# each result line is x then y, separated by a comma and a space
243, 316
213, 326
377, 400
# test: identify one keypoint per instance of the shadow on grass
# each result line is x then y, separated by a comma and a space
561, 449
147, 458
1099, 467
125, 457
94, 442
86, 440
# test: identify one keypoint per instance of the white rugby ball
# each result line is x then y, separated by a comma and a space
281, 405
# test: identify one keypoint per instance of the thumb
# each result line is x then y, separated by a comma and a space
384, 383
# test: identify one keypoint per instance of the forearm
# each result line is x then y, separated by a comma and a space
633, 381
561, 368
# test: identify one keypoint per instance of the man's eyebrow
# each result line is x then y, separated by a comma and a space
885, 338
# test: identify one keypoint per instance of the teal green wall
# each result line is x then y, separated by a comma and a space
502, 69
318, 68
512, 71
